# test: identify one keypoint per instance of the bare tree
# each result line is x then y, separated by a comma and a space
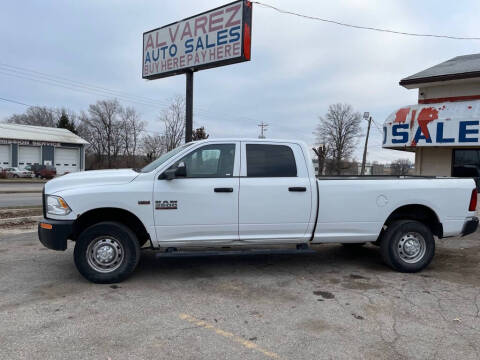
199, 134
322, 152
36, 116
132, 129
173, 119
339, 130
400, 167
153, 146
103, 129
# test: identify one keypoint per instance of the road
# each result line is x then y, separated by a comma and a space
20, 199
335, 303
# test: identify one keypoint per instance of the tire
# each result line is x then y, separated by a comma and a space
15, 176
353, 245
407, 246
106, 252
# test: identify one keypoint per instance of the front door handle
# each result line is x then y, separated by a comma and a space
223, 189
297, 188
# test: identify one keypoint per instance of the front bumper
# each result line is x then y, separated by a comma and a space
53, 234
470, 226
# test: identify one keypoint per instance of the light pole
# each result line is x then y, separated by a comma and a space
366, 116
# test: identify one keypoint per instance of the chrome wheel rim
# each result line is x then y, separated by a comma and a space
105, 254
411, 247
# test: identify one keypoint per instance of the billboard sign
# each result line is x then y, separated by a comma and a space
442, 124
218, 37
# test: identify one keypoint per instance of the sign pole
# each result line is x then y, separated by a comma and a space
189, 107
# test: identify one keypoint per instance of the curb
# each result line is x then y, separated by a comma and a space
19, 220
20, 191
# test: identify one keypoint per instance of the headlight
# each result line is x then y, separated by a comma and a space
57, 206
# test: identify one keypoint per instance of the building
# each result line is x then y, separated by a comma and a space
443, 128
22, 145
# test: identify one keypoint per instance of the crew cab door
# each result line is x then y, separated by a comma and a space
203, 205
275, 193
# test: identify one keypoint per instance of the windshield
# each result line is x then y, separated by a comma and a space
154, 164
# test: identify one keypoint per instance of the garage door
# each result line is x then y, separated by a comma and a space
29, 155
4, 156
67, 160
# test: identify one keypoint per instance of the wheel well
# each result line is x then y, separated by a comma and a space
420, 213
111, 214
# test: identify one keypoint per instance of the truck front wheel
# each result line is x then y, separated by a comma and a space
106, 252
407, 246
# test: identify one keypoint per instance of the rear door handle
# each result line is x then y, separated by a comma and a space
297, 188
223, 189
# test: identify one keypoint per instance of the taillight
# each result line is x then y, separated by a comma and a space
473, 201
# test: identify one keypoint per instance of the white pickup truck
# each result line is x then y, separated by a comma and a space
245, 193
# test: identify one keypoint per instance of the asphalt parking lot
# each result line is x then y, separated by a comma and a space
335, 303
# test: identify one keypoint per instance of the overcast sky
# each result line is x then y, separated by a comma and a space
298, 66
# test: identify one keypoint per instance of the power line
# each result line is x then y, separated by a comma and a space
74, 85
14, 101
451, 37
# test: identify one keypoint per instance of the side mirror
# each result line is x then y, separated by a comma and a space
181, 170
174, 172
169, 174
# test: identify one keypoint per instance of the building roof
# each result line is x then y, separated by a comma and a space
39, 133
460, 67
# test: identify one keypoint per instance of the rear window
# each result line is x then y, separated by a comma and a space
270, 161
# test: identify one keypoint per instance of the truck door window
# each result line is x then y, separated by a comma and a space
270, 161
210, 161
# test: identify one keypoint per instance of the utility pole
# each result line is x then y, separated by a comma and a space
189, 107
366, 115
263, 128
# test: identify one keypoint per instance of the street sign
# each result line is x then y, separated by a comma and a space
217, 37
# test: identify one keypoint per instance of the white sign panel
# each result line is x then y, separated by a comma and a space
441, 124
217, 37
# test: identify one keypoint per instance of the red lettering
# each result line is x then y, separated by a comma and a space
204, 55
236, 49
164, 65
157, 44
215, 21
234, 9
401, 115
227, 50
175, 62
197, 58
201, 23
189, 58
149, 42
220, 52
182, 61
211, 54
186, 31
169, 64
174, 36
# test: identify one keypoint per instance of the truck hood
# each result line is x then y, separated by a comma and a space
89, 178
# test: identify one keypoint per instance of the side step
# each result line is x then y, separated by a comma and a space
174, 252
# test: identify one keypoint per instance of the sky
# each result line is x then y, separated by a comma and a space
298, 66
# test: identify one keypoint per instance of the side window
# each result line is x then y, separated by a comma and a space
210, 161
270, 161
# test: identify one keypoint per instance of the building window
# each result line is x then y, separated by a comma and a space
466, 163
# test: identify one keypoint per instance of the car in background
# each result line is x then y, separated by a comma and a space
42, 171
15, 172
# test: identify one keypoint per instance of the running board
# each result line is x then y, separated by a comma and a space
203, 253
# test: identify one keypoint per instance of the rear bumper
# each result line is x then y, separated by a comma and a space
53, 234
470, 226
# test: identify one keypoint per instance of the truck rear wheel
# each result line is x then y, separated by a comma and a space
106, 252
407, 246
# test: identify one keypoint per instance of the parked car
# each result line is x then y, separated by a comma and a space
15, 172
42, 171
241, 193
